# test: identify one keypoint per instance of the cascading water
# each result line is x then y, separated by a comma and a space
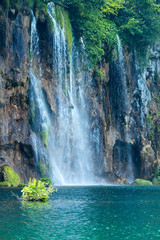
66, 145
72, 138
125, 105
43, 134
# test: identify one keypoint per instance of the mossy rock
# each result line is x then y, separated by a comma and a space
142, 182
156, 181
42, 169
10, 178
44, 136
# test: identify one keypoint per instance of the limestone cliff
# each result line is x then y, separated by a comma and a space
124, 118
15, 147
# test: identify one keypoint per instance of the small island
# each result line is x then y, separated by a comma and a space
37, 190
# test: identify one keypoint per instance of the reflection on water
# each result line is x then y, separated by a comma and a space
94, 213
35, 205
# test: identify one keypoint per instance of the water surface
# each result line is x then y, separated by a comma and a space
94, 213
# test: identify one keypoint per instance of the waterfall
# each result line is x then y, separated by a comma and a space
72, 138
126, 106
41, 122
63, 143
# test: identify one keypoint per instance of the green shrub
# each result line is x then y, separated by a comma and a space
22, 184
98, 74
156, 181
36, 191
158, 172
142, 182
46, 181
5, 184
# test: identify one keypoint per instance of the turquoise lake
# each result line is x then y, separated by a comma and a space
96, 213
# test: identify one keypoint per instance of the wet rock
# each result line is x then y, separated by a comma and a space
9, 177
142, 182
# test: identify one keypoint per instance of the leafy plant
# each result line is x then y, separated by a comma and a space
37, 191
156, 181
46, 181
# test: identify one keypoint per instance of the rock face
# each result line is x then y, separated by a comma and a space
15, 147
123, 107
131, 118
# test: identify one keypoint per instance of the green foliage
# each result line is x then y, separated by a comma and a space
30, 3
37, 191
42, 169
50, 24
22, 184
39, 7
46, 181
138, 24
6, 4
35, 205
150, 120
63, 20
88, 22
11, 179
158, 172
98, 21
5, 184
68, 31
156, 181
136, 21
98, 74
142, 182
59, 16
44, 135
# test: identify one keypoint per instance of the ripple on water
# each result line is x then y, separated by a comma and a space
83, 213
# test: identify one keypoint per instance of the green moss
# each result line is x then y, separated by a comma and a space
22, 184
150, 120
30, 3
33, 110
68, 31
63, 20
156, 181
42, 169
6, 4
44, 136
10, 177
59, 16
158, 171
18, 5
98, 74
4, 184
50, 24
40, 7
142, 182
65, 91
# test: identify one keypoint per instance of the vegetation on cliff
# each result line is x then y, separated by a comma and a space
142, 182
137, 22
98, 21
8, 177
